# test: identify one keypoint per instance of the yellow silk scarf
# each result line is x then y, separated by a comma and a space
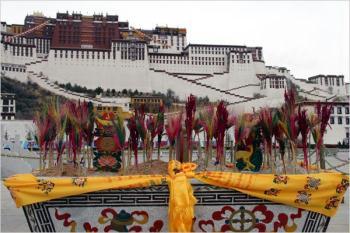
321, 192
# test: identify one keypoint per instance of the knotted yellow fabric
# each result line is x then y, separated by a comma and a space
182, 200
320, 192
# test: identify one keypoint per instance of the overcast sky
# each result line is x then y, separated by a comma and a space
309, 38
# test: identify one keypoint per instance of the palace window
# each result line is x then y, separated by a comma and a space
339, 110
346, 110
347, 121
340, 120
332, 110
331, 120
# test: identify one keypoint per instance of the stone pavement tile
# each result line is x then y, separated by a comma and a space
14, 223
338, 228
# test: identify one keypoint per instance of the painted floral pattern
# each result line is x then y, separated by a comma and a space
312, 183
79, 181
332, 202
45, 185
272, 192
279, 179
303, 197
342, 186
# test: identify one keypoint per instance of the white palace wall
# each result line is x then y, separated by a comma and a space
106, 73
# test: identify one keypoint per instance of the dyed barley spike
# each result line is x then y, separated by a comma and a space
304, 131
134, 137
142, 128
290, 125
318, 124
208, 120
173, 128
152, 129
222, 119
278, 129
160, 126
265, 122
190, 113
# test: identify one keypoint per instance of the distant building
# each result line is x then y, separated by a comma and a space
8, 106
151, 102
118, 105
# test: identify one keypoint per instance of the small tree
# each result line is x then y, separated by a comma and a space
124, 92
98, 90
129, 92
68, 86
113, 92
108, 92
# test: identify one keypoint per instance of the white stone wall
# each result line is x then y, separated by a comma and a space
107, 73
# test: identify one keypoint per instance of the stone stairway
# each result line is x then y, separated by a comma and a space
196, 82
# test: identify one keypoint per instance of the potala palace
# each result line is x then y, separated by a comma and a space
102, 51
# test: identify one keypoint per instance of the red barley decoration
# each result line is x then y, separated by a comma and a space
190, 113
173, 128
304, 131
323, 115
208, 121
160, 126
197, 127
134, 137
61, 121
151, 124
222, 116
265, 118
278, 127
75, 133
45, 130
152, 128
142, 128
292, 131
52, 115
